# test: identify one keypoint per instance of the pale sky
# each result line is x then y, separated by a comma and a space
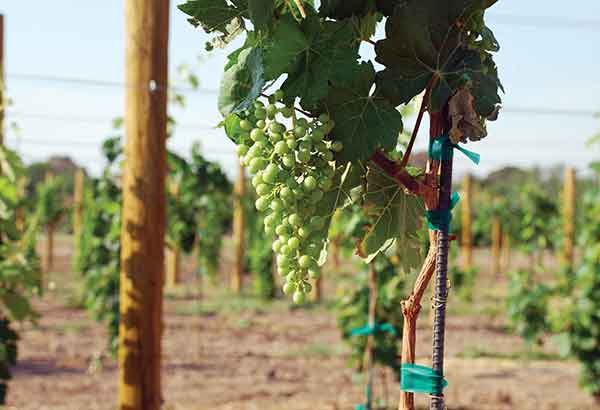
548, 61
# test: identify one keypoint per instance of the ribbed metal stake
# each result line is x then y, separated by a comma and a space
441, 288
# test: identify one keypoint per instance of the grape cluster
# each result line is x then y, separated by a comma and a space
293, 168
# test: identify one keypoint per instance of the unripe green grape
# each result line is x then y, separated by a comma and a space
282, 260
303, 232
270, 230
313, 250
289, 288
291, 143
327, 155
246, 125
293, 243
304, 261
299, 297
270, 220
271, 177
257, 180
310, 183
317, 135
276, 245
286, 112
256, 164
276, 204
281, 229
325, 183
285, 250
286, 192
321, 146
305, 146
262, 203
275, 137
302, 122
263, 189
337, 146
279, 95
258, 104
295, 219
261, 124
277, 127
257, 134
289, 161
329, 171
281, 148
242, 150
324, 118
260, 113
303, 156
299, 131
317, 222
272, 110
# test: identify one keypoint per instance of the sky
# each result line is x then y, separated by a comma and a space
548, 63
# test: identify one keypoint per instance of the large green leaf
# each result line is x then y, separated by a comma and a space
427, 39
363, 122
282, 54
394, 219
242, 83
213, 15
340, 9
261, 12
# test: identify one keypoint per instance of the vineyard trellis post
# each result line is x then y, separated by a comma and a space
144, 205
466, 233
78, 190
49, 251
239, 223
371, 319
569, 193
174, 254
496, 245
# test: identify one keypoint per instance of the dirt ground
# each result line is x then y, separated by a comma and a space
224, 352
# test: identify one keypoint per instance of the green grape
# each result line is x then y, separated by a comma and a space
281, 148
275, 137
325, 183
260, 113
304, 261
286, 193
246, 125
324, 118
302, 122
270, 220
287, 112
282, 260
337, 146
257, 180
299, 297
293, 243
257, 134
305, 146
258, 104
328, 156
317, 222
281, 229
306, 287
303, 156
285, 250
303, 232
277, 127
289, 161
310, 183
269, 230
317, 135
261, 124
276, 247
256, 164
289, 288
263, 189
272, 111
314, 273
279, 95
291, 143
299, 131
242, 150
277, 204
295, 219
262, 203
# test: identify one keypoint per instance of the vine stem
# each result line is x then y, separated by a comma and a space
300, 110
413, 137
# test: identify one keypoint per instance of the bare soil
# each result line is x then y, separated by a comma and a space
223, 352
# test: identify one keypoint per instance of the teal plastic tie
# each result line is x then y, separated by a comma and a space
441, 219
369, 330
441, 148
421, 379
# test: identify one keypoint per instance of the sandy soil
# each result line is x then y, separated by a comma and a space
223, 352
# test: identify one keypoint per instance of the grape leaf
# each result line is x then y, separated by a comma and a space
242, 83
282, 53
363, 122
261, 12
341, 9
213, 15
426, 39
394, 218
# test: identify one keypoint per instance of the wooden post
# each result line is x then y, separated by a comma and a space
174, 255
317, 290
2, 79
144, 205
496, 245
239, 226
368, 358
569, 192
506, 252
48, 261
466, 235
78, 191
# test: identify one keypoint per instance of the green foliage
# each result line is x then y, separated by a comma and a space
51, 200
463, 281
352, 310
260, 255
527, 306
19, 265
584, 330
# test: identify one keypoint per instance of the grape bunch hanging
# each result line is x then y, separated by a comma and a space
292, 162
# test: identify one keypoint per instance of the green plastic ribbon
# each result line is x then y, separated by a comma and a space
441, 148
441, 219
421, 379
369, 330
